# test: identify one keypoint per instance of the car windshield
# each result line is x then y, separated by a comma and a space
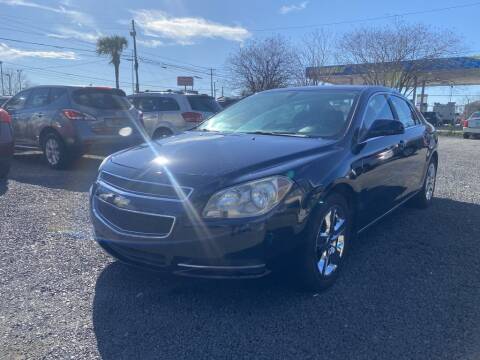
295, 113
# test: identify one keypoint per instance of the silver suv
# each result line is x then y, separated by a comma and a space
166, 113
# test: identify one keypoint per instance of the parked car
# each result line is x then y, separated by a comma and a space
432, 118
471, 126
4, 99
66, 121
6, 143
167, 113
287, 176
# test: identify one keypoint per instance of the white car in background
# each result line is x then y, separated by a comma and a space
471, 126
167, 112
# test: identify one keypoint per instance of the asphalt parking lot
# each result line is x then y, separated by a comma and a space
410, 290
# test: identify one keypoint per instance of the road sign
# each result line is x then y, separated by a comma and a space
185, 81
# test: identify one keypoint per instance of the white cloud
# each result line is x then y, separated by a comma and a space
67, 33
184, 30
10, 53
153, 43
78, 17
285, 9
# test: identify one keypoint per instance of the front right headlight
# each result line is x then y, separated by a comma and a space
249, 199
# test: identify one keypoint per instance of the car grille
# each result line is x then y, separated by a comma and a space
165, 191
134, 223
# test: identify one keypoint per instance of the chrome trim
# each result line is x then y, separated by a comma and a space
121, 231
388, 212
145, 182
133, 194
244, 267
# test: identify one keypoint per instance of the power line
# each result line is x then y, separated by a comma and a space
345, 22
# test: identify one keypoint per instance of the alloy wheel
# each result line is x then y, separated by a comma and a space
430, 181
330, 242
52, 151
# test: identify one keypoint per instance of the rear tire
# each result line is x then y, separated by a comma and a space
55, 152
4, 170
161, 133
424, 198
328, 236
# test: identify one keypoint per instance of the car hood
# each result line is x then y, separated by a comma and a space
210, 155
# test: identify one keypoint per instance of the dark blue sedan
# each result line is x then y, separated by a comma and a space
287, 176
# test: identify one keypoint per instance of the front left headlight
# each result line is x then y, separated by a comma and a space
249, 199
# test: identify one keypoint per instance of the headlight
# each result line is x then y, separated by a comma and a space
250, 199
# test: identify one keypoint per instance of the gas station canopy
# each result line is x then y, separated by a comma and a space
436, 72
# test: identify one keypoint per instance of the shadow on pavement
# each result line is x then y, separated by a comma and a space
31, 168
410, 289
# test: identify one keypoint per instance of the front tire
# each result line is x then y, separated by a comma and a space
55, 152
328, 237
424, 198
4, 170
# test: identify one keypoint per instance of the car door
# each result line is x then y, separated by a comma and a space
39, 114
413, 145
148, 106
170, 114
18, 111
380, 174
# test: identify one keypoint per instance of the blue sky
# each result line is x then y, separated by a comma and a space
187, 37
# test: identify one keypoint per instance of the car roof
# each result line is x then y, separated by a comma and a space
321, 88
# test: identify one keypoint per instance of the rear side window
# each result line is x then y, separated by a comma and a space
101, 99
56, 93
151, 103
203, 103
167, 104
39, 97
404, 111
377, 109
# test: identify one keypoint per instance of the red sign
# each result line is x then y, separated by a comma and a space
185, 81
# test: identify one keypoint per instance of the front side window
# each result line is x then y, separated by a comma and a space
17, 102
378, 108
296, 113
404, 111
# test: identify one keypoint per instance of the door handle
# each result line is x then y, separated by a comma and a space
39, 114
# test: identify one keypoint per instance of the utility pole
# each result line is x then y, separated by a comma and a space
133, 33
19, 76
222, 91
133, 76
211, 82
1, 77
9, 83
214, 89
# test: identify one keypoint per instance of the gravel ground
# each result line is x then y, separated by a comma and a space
410, 290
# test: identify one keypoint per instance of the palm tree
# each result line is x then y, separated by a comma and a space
112, 46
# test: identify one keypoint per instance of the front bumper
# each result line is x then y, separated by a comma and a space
214, 249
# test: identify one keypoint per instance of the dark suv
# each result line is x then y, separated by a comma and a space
65, 121
286, 176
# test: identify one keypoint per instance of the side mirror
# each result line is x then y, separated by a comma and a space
385, 127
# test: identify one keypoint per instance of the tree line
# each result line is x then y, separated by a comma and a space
379, 51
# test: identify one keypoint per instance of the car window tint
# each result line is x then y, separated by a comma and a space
203, 103
39, 97
18, 101
101, 99
145, 104
377, 108
404, 111
167, 104
56, 93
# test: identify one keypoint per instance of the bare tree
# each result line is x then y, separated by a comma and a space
316, 50
14, 81
262, 64
385, 54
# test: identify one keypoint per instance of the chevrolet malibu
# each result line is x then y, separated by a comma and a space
285, 177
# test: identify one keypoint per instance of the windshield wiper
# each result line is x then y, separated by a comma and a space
277, 133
